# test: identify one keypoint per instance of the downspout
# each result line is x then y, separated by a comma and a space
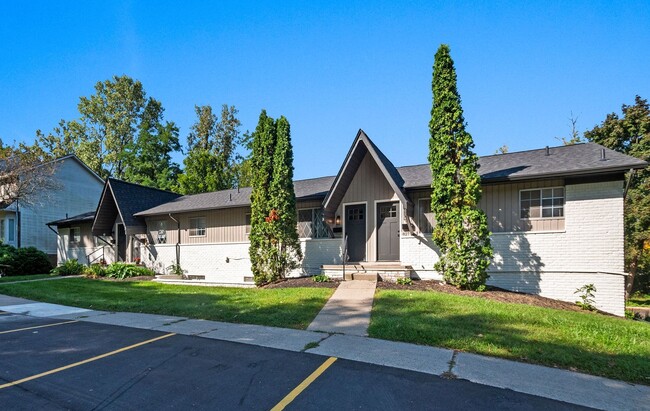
178, 240
18, 222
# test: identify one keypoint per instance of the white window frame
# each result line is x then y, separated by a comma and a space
11, 230
72, 240
541, 203
198, 231
160, 228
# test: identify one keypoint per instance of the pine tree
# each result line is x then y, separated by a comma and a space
264, 141
461, 230
283, 233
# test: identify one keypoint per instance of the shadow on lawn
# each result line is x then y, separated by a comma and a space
291, 308
504, 335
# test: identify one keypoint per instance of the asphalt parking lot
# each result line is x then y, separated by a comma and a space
62, 364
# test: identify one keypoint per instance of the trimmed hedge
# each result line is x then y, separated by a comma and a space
24, 261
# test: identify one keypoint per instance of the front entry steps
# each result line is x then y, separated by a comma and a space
373, 271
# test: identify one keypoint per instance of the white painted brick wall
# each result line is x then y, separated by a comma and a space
592, 243
210, 259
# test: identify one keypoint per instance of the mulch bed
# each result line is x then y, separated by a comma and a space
492, 293
302, 282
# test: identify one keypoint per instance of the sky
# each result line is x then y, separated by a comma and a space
524, 67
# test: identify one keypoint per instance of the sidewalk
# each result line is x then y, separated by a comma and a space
348, 309
563, 385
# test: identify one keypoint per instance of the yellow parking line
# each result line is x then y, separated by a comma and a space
301, 387
38, 326
76, 364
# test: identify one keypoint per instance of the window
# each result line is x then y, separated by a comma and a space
542, 203
197, 227
426, 220
75, 236
11, 237
2, 230
247, 224
161, 228
355, 213
311, 224
387, 211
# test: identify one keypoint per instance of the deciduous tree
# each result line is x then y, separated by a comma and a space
461, 230
631, 135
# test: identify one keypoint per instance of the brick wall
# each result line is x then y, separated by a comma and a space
554, 264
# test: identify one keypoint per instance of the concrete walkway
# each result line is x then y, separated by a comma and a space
563, 385
348, 310
41, 279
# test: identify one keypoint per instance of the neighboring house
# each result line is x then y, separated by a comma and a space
556, 217
77, 190
112, 232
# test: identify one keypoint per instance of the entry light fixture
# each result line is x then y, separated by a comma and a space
338, 220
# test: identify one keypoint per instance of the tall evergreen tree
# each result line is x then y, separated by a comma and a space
283, 233
150, 158
631, 135
264, 141
461, 230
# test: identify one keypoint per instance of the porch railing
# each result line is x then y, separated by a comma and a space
96, 257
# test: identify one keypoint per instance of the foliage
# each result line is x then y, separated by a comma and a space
639, 299
150, 162
404, 281
586, 297
69, 267
582, 340
575, 134
176, 269
123, 270
26, 175
212, 161
502, 150
23, 261
120, 133
631, 135
95, 271
275, 248
461, 230
321, 278
279, 307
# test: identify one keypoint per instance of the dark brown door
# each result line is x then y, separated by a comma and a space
355, 230
121, 243
387, 232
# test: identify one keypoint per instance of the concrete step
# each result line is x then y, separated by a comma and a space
361, 276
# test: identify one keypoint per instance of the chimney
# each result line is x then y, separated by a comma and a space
548, 151
603, 157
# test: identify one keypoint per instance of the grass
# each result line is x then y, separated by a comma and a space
580, 341
280, 307
13, 278
639, 300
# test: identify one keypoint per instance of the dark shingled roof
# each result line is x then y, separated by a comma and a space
132, 198
79, 218
313, 188
563, 161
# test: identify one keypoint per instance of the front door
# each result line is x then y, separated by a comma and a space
355, 230
388, 229
121, 243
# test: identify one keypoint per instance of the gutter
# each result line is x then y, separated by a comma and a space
628, 182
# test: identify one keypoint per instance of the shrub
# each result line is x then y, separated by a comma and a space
404, 281
176, 269
587, 297
70, 267
124, 270
95, 271
24, 261
320, 278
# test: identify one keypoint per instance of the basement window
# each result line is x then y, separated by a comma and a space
542, 203
197, 227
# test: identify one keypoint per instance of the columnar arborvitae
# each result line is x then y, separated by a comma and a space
283, 234
264, 141
461, 230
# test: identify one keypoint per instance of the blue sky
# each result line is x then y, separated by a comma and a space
333, 67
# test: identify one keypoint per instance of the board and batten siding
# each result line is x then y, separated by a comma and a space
224, 225
368, 185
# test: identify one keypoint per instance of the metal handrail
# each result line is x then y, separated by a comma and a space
344, 257
102, 256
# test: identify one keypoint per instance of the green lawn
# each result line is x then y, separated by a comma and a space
582, 341
639, 300
24, 277
280, 307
